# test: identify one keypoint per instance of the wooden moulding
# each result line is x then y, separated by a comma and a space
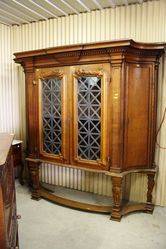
109, 173
87, 53
90, 46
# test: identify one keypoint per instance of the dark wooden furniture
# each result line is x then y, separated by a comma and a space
8, 216
93, 106
17, 160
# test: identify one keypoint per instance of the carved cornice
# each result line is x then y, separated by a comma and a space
96, 51
144, 52
67, 54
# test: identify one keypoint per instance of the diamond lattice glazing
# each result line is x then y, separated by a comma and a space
51, 115
89, 117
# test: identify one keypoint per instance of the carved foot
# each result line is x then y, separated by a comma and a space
35, 196
116, 216
117, 198
149, 208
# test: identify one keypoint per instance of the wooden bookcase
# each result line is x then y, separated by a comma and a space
93, 106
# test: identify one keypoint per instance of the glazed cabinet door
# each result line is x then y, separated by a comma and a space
53, 113
89, 123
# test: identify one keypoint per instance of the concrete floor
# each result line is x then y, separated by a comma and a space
45, 225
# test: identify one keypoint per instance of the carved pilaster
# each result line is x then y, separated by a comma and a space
117, 198
34, 179
32, 109
117, 89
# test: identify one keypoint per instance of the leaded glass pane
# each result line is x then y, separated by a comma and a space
89, 117
51, 115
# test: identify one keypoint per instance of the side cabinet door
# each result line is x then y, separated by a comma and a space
53, 114
89, 124
140, 109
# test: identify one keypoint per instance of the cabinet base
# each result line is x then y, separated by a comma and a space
48, 195
127, 207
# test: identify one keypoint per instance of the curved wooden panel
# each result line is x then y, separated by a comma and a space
74, 204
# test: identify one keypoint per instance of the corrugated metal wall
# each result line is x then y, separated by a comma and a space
6, 90
10, 96
142, 22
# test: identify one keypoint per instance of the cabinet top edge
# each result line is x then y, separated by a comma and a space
87, 46
5, 144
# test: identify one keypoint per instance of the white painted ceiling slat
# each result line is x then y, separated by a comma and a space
126, 2
98, 4
30, 9
83, 5
56, 7
41, 7
9, 20
90, 4
77, 5
10, 9
69, 6
25, 11
112, 3
4, 12
4, 22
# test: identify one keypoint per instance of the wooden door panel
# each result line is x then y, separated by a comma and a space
89, 108
137, 116
53, 113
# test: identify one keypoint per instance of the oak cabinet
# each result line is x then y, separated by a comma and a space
93, 107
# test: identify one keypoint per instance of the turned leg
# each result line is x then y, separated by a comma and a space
117, 198
34, 178
151, 182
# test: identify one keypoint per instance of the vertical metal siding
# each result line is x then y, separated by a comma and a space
8, 88
143, 22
